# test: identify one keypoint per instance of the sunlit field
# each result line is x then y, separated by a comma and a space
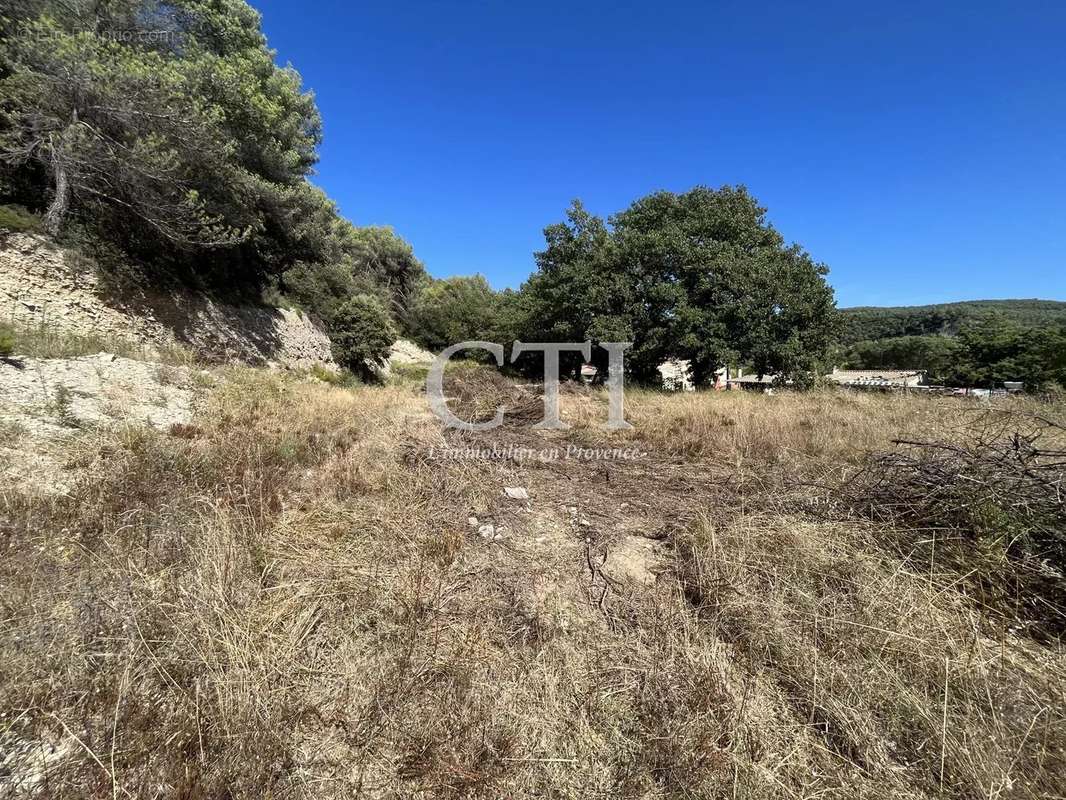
295, 596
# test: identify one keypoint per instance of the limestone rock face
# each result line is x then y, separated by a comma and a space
41, 285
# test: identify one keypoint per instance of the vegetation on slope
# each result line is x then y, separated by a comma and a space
454, 310
987, 352
7, 341
163, 140
865, 323
168, 130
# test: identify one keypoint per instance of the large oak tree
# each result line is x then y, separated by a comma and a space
700, 276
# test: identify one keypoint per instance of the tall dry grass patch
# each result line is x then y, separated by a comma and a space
286, 599
742, 427
882, 676
141, 608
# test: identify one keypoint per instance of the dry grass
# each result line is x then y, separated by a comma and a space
49, 341
747, 428
872, 674
286, 600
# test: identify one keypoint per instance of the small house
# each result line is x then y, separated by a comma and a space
877, 378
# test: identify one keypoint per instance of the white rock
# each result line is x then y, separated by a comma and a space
517, 493
406, 352
487, 531
34, 280
473, 521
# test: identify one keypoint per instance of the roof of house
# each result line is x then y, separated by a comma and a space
753, 379
873, 375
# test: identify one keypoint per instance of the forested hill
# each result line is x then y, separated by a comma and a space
976, 343
864, 323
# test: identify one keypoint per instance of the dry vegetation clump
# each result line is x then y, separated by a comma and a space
868, 675
474, 394
991, 502
286, 598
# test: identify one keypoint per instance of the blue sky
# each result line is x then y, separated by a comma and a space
917, 149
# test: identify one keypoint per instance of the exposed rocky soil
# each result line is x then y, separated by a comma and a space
405, 352
43, 285
46, 403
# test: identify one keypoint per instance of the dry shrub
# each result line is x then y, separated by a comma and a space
990, 502
475, 392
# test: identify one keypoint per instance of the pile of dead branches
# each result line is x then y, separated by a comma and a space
475, 393
997, 491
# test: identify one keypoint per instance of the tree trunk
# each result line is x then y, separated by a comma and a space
57, 210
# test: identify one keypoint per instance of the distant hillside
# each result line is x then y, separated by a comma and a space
865, 323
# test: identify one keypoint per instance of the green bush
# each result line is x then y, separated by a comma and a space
362, 335
17, 218
7, 340
342, 379
326, 375
409, 373
317, 288
453, 310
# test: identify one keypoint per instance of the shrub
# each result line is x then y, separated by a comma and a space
343, 378
451, 311
409, 373
17, 218
63, 406
326, 375
362, 335
7, 341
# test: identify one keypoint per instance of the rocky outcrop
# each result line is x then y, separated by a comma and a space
407, 352
40, 285
44, 403
47, 396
